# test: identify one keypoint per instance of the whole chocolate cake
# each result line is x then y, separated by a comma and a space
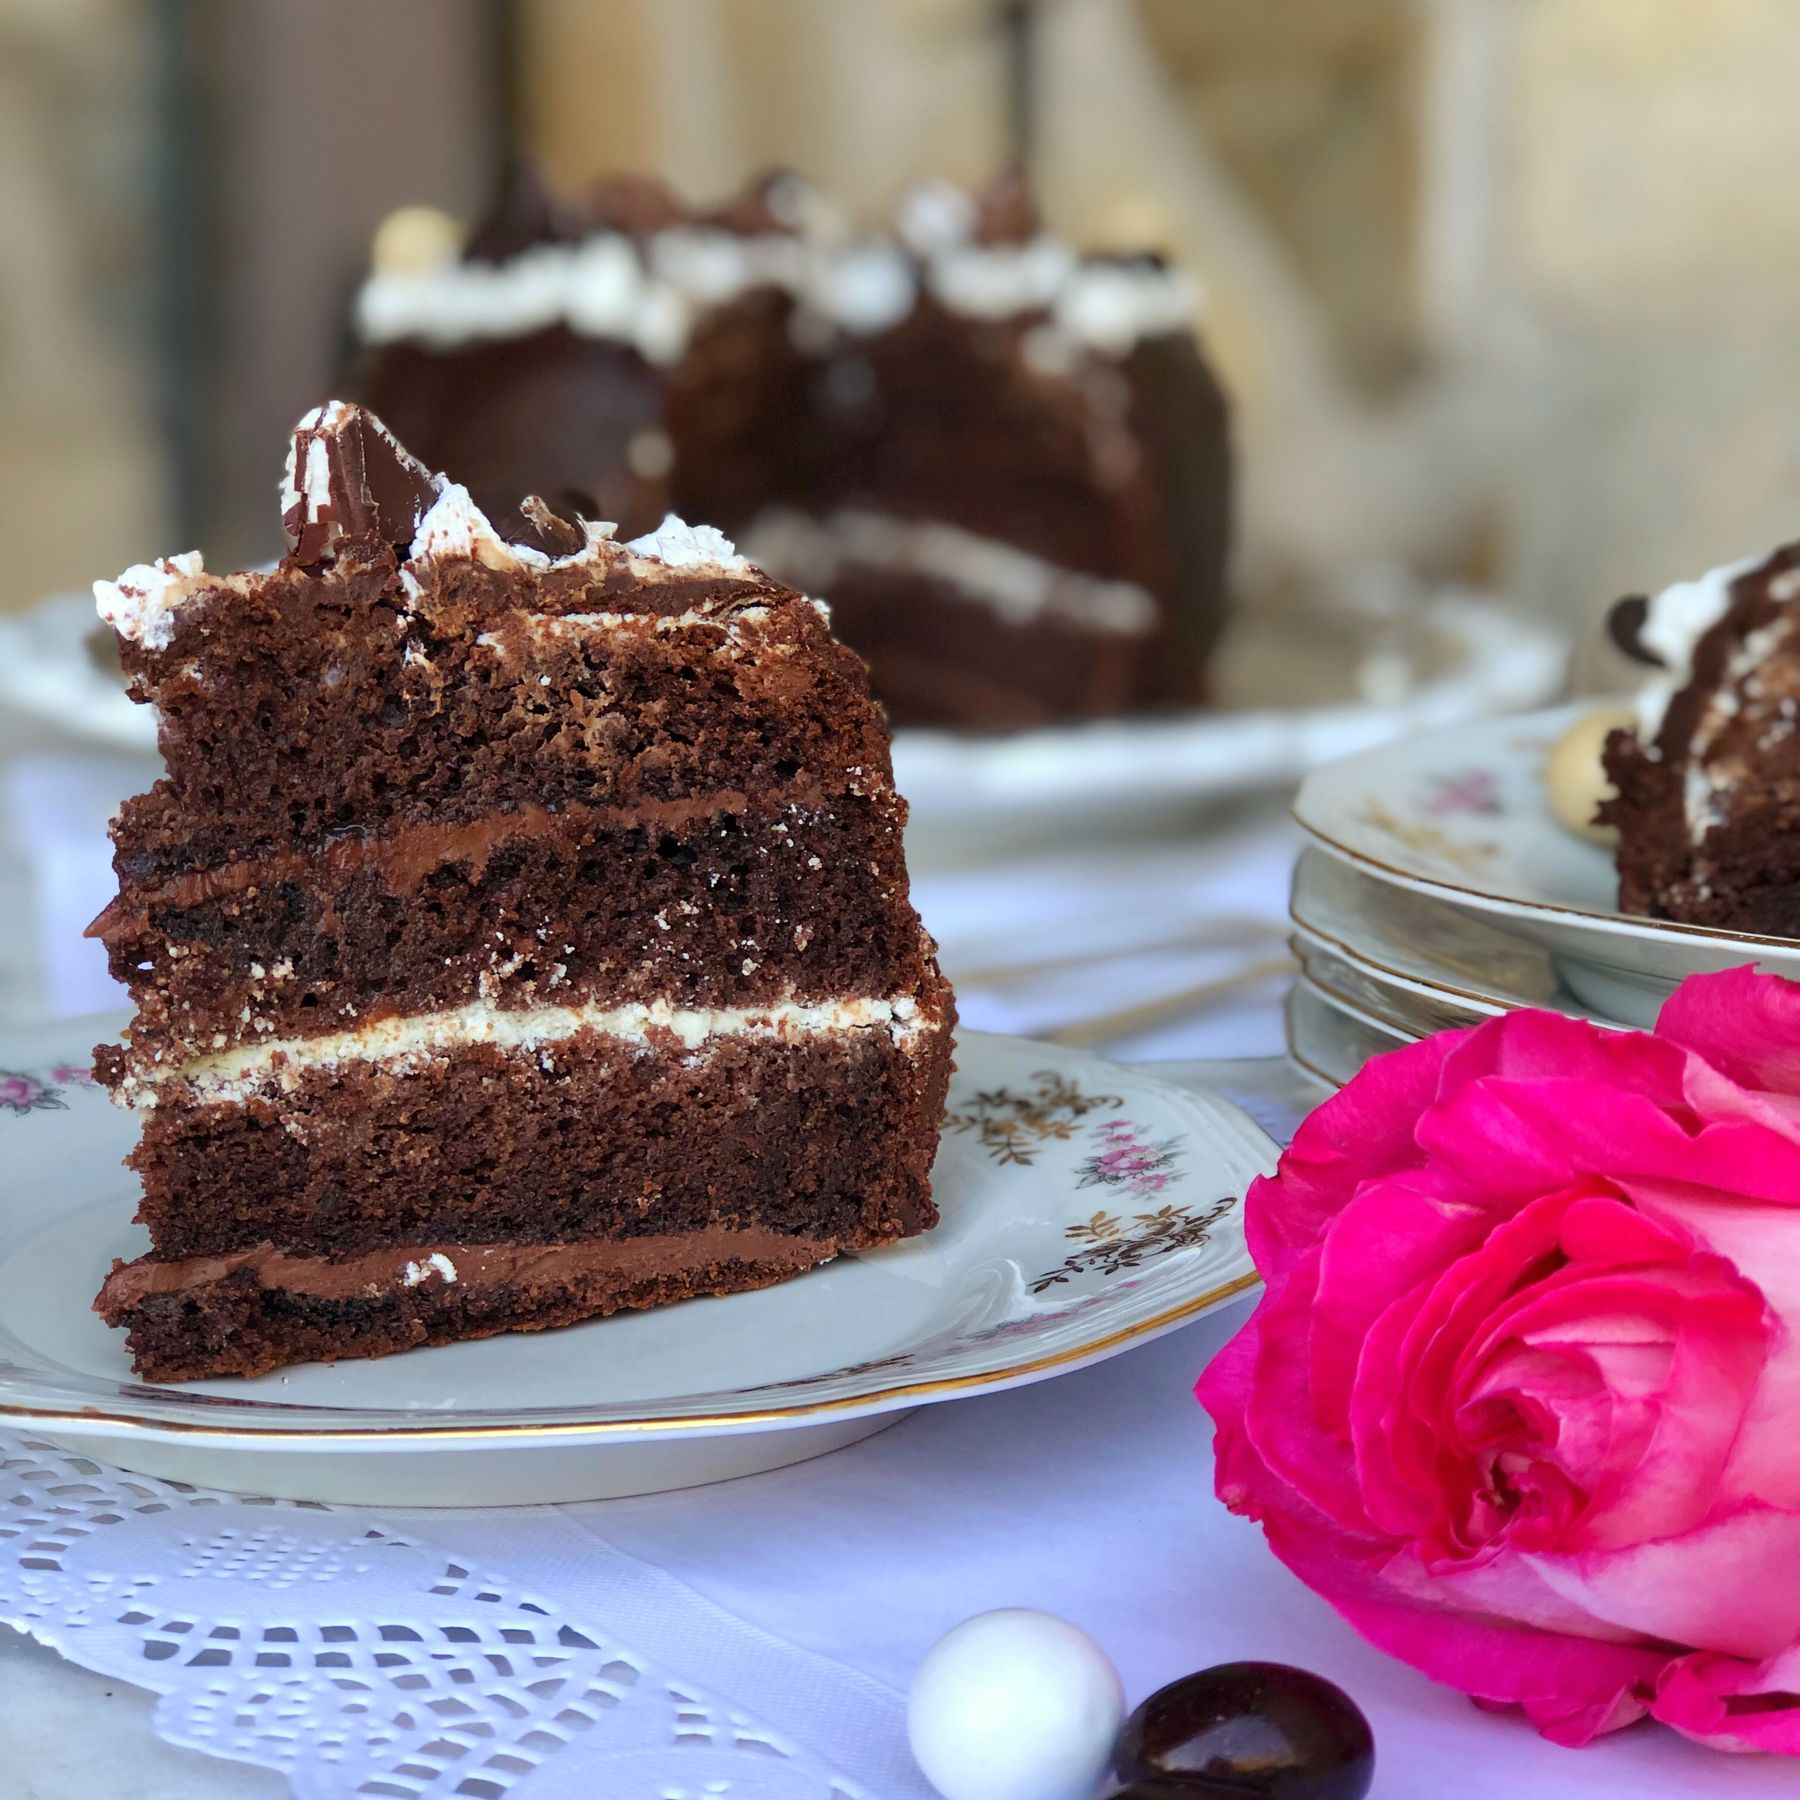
1708, 780
520, 932
1006, 465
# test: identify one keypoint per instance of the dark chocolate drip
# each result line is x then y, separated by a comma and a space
372, 486
1625, 625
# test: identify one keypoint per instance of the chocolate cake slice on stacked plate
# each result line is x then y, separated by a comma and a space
521, 931
1708, 781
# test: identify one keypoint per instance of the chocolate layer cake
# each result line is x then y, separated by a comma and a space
520, 933
1006, 464
1708, 782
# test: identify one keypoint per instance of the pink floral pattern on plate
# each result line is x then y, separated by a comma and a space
21, 1094
1473, 791
1126, 1158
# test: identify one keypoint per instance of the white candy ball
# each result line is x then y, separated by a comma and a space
1015, 1705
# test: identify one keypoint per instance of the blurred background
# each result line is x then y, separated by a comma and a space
1502, 292
1502, 287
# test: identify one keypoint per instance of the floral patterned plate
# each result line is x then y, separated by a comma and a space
1086, 1207
1460, 816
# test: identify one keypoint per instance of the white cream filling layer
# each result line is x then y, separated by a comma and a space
1018, 586
234, 1075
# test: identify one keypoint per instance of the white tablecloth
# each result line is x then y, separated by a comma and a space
806, 1596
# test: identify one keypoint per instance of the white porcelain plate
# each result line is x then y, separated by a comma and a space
1331, 1040
1409, 936
1460, 815
1298, 683
1086, 1207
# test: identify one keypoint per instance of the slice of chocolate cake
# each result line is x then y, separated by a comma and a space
520, 933
1708, 781
1009, 463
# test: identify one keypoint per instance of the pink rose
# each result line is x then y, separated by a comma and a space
1522, 1396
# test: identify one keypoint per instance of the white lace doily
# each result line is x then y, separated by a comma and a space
354, 1659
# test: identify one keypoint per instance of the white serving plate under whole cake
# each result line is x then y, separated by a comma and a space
1086, 1207
1299, 682
1459, 816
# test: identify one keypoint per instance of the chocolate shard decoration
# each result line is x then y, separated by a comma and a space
774, 204
525, 214
347, 477
636, 205
1004, 213
1625, 625
537, 525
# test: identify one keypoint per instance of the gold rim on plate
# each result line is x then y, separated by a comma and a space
1556, 908
1358, 955
699, 1424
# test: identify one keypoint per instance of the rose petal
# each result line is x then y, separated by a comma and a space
1572, 1688
1727, 1586
1744, 1023
1731, 1704
1365, 1129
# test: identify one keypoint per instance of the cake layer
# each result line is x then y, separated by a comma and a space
1742, 875
317, 709
561, 412
261, 1309
722, 900
1708, 785
966, 630
813, 1120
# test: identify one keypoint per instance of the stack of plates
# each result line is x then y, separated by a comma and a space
1438, 890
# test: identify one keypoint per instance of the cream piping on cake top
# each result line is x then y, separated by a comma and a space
1674, 623
651, 292
144, 604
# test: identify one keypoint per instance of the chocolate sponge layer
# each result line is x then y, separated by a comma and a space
831, 1133
730, 901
